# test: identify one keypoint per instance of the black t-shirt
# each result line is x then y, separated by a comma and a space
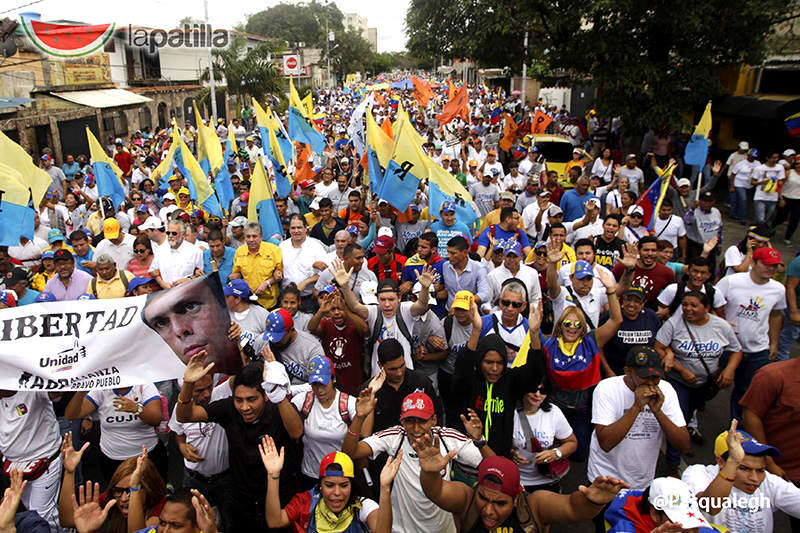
641, 331
608, 253
247, 469
387, 410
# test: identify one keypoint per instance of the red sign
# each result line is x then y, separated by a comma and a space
291, 63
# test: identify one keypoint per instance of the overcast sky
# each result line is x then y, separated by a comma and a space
388, 17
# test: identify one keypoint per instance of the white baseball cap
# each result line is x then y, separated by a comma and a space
314, 205
635, 209
152, 223
418, 287
684, 182
593, 201
169, 196
384, 232
744, 145
677, 501
789, 152
368, 292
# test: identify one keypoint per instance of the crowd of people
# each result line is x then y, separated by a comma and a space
414, 371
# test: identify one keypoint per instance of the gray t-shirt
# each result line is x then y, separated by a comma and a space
420, 331
458, 339
712, 339
253, 320
406, 231
705, 226
484, 197
296, 356
58, 177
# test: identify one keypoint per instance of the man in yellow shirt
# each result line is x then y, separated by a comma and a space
260, 264
109, 282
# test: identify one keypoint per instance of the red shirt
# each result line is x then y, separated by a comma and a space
124, 160
393, 270
343, 348
652, 281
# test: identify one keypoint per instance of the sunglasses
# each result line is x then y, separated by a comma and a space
636, 215
571, 324
141, 250
173, 233
541, 254
119, 491
509, 303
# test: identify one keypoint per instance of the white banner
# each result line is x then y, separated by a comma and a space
103, 344
356, 127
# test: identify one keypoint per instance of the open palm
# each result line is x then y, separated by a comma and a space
273, 461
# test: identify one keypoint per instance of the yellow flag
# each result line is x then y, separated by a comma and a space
308, 104
261, 116
260, 189
378, 140
166, 164
208, 146
704, 126
294, 99
232, 140
402, 117
406, 150
196, 177
16, 162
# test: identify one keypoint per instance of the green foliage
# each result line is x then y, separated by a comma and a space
301, 22
303, 90
650, 60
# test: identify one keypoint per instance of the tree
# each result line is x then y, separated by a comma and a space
247, 72
351, 53
303, 22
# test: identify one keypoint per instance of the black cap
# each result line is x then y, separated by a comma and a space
706, 196
63, 253
15, 275
635, 290
645, 361
387, 285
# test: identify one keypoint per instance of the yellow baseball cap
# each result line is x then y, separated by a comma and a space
111, 228
174, 177
183, 190
462, 300
750, 445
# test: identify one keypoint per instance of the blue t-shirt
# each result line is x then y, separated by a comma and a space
573, 205
29, 298
502, 235
641, 331
81, 258
413, 265
70, 170
793, 270
445, 233
224, 267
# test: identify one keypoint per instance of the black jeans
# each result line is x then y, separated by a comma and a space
791, 211
217, 489
158, 456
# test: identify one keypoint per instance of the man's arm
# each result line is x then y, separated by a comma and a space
365, 405
342, 278
451, 496
425, 278
721, 485
775, 326
553, 288
186, 410
791, 298
682, 246
755, 426
580, 506
290, 418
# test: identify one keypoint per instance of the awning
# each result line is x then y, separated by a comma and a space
758, 106
103, 98
7, 103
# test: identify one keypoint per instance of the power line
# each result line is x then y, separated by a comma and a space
20, 7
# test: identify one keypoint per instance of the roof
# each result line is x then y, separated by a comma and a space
103, 98
758, 106
8, 103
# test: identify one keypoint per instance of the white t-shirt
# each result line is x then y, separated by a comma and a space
634, 458
323, 430
176, 263
208, 438
122, 253
668, 295
413, 513
586, 232
754, 511
298, 262
601, 169
743, 172
670, 229
733, 257
748, 305
635, 177
774, 176
390, 330
123, 434
28, 427
547, 426
322, 190
529, 276
296, 356
592, 303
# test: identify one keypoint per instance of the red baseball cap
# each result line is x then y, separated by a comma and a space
417, 405
503, 469
383, 244
768, 256
305, 184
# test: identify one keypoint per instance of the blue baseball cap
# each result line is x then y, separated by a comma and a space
750, 445
48, 254
500, 246
753, 152
46, 297
495, 172
415, 207
448, 207
55, 235
238, 288
141, 209
352, 229
320, 370
513, 247
244, 166
582, 269
138, 281
86, 296
278, 323
231, 160
327, 289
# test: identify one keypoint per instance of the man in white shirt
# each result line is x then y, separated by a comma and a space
754, 303
253, 151
632, 172
581, 292
631, 416
117, 243
742, 174
512, 267
179, 262
239, 133
303, 257
737, 492
669, 227
588, 227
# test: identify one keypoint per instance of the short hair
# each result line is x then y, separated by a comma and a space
666, 202
280, 199
557, 225
506, 213
515, 285
703, 297
215, 235
325, 202
351, 248
253, 226
459, 242
431, 238
183, 496
699, 261
354, 194
663, 244
647, 239
142, 240
299, 217
291, 288
251, 375
631, 195
615, 216
583, 242
78, 235
389, 350
179, 222
104, 259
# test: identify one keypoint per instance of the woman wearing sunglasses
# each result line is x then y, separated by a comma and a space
142, 256
573, 361
634, 229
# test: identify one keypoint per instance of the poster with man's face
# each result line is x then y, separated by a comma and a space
192, 317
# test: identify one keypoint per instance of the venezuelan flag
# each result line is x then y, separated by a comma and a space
106, 174
651, 199
793, 125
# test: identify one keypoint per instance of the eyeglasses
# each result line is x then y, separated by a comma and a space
509, 303
141, 250
571, 324
173, 233
541, 254
119, 491
636, 215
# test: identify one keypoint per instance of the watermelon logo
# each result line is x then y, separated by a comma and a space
67, 40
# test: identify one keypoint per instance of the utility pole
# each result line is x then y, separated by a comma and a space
525, 68
211, 84
328, 45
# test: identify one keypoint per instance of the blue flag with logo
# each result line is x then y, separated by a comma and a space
301, 130
464, 211
375, 170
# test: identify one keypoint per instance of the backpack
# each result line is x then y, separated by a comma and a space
681, 289
376, 329
122, 278
308, 403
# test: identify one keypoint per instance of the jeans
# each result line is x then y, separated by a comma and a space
581, 422
689, 398
218, 491
751, 362
789, 334
739, 204
764, 209
791, 211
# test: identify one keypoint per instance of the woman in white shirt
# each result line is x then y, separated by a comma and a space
604, 166
534, 445
789, 202
614, 196
326, 413
128, 418
767, 179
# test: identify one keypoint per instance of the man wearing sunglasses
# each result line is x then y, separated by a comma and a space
512, 267
179, 262
509, 322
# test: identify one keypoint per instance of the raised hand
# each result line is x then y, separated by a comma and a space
136, 476
710, 244
554, 253
603, 490
69, 455
472, 424
430, 457
535, 317
607, 280
266, 353
272, 459
377, 381
716, 167
426, 276
390, 469
631, 255
11, 499
734, 440
340, 274
195, 369
366, 401
234, 332
203, 513
88, 514
477, 322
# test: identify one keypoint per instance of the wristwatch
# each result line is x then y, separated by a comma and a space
558, 453
139, 409
479, 443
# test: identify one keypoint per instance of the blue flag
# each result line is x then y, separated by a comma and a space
222, 180
464, 211
16, 218
106, 174
301, 130
375, 170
